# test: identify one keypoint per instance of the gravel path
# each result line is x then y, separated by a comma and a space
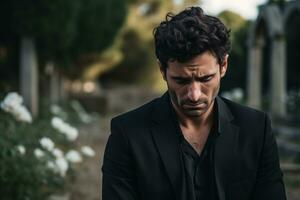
87, 184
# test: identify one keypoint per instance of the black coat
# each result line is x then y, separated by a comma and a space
142, 158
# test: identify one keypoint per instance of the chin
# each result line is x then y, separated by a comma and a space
194, 113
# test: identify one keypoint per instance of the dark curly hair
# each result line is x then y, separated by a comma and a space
183, 36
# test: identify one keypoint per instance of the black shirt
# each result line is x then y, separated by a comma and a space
199, 168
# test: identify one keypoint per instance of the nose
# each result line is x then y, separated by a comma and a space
194, 92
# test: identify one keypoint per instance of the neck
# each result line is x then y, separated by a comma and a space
197, 121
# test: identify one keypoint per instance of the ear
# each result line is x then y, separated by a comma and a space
224, 65
162, 70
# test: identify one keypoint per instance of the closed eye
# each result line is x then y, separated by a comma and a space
206, 78
182, 81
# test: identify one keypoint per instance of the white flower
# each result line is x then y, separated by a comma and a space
22, 114
73, 156
55, 109
13, 104
82, 114
71, 133
11, 100
64, 128
47, 143
59, 166
62, 166
21, 149
38, 153
87, 151
51, 165
57, 153
57, 123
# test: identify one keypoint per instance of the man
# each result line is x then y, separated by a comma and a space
191, 144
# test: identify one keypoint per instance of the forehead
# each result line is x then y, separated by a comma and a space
202, 64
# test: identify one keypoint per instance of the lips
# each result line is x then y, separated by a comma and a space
194, 106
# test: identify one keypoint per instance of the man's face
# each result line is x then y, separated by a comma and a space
193, 85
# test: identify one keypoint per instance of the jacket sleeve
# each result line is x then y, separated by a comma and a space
118, 180
269, 182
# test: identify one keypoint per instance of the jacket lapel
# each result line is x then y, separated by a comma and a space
167, 142
225, 147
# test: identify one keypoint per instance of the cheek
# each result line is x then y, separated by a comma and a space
174, 97
215, 89
172, 94
212, 88
172, 91
177, 93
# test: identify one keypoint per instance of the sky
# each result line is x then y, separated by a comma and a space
246, 8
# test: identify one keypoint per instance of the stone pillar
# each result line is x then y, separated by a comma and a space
254, 73
278, 77
55, 83
54, 92
63, 88
29, 75
54, 88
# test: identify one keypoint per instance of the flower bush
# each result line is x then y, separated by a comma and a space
36, 155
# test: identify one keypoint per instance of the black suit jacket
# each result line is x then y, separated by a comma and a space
142, 160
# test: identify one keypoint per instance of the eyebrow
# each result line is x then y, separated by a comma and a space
188, 78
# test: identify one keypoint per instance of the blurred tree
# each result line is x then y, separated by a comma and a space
30, 21
138, 65
51, 24
236, 74
58, 31
137, 56
232, 20
63, 30
98, 24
